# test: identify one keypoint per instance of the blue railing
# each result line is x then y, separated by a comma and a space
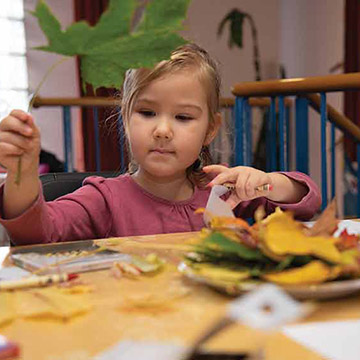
87, 102
277, 138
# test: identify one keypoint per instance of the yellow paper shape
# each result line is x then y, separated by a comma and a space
31, 305
315, 272
64, 306
7, 308
283, 235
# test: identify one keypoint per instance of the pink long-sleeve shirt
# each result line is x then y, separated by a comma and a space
118, 206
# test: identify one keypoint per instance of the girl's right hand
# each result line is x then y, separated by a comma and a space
19, 136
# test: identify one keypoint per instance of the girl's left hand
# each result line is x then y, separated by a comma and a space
246, 180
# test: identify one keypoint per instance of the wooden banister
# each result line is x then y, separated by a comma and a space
337, 118
110, 102
81, 101
254, 102
340, 82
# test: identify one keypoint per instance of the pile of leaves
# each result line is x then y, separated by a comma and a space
278, 249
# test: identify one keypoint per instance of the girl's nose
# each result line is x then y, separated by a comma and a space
163, 130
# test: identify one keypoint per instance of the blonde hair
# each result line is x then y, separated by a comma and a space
185, 57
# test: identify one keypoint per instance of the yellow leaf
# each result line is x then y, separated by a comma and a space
314, 272
7, 308
217, 273
283, 235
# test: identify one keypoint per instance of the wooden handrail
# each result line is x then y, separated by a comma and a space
350, 81
254, 102
110, 102
81, 101
337, 118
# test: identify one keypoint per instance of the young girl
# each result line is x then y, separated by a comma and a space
171, 114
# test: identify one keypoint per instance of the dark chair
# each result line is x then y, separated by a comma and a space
58, 184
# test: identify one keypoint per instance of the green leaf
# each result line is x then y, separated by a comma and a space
106, 64
114, 22
236, 20
164, 14
108, 49
220, 243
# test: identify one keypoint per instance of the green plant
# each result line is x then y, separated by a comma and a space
237, 18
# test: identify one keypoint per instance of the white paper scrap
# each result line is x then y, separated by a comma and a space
334, 340
265, 308
216, 206
144, 350
13, 273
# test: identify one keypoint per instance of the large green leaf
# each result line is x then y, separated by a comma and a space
164, 13
106, 64
109, 48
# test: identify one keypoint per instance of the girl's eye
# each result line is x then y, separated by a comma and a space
147, 113
184, 117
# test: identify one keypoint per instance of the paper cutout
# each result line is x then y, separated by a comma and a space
335, 340
215, 205
144, 350
265, 308
53, 303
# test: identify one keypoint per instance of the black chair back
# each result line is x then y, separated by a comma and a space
59, 184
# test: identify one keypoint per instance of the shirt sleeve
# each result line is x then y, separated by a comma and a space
305, 209
83, 214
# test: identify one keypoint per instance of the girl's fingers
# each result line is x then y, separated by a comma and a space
241, 182
20, 114
15, 139
9, 150
215, 169
250, 187
20, 122
233, 201
223, 178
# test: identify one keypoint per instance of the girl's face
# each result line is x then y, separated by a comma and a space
168, 125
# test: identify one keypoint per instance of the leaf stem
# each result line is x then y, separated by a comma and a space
31, 103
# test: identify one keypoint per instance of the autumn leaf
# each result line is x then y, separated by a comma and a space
314, 272
110, 47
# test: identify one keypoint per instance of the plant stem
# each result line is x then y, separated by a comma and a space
31, 103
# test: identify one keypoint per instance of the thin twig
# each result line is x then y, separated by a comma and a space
52, 67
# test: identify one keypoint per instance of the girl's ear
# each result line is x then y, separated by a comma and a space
213, 129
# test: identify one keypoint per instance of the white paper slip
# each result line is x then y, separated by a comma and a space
215, 205
144, 350
250, 309
335, 340
351, 226
13, 273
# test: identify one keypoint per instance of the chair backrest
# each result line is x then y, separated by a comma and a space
59, 184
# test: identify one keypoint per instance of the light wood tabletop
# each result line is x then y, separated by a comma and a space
163, 307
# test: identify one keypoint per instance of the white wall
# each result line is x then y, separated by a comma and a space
311, 42
62, 82
204, 16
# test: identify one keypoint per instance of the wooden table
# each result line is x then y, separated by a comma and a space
181, 311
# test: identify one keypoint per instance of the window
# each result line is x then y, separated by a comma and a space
13, 70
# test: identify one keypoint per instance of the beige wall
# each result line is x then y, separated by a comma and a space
62, 82
311, 42
203, 19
